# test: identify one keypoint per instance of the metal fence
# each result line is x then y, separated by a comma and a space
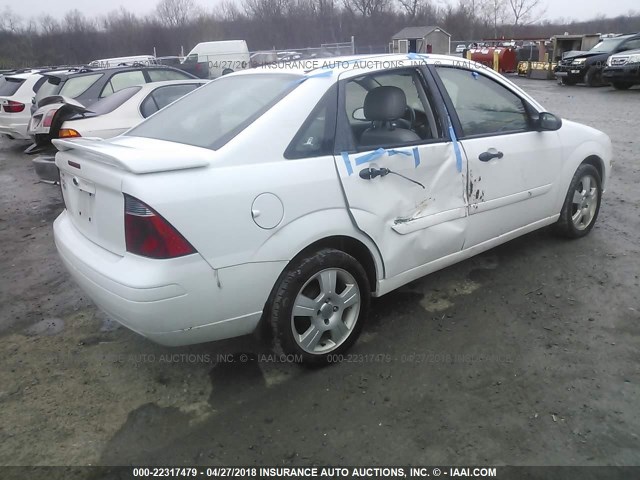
325, 50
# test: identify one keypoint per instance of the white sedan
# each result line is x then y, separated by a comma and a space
62, 117
106, 118
291, 197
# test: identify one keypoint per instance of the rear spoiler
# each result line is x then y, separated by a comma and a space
131, 159
61, 99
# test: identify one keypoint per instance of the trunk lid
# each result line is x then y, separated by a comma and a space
58, 108
92, 173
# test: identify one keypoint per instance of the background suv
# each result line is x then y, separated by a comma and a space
87, 85
586, 67
623, 70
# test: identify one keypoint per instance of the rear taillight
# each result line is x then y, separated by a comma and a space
149, 235
68, 133
13, 107
48, 118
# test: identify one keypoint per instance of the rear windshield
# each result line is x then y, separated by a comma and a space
48, 88
10, 85
76, 86
110, 103
215, 113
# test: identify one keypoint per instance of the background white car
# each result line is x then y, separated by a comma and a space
16, 92
291, 197
109, 116
106, 118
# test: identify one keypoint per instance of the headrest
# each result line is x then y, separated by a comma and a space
385, 103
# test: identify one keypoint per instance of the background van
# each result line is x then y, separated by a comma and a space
223, 57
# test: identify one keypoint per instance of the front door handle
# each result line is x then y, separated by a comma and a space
490, 155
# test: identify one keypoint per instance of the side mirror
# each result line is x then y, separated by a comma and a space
358, 114
548, 121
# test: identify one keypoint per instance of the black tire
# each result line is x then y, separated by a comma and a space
622, 85
286, 327
568, 81
227, 71
565, 226
593, 77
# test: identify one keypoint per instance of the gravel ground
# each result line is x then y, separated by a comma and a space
525, 355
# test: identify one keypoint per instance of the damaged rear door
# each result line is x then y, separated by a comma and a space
404, 184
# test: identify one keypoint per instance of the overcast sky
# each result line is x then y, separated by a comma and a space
576, 9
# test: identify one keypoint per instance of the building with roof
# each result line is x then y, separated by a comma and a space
430, 39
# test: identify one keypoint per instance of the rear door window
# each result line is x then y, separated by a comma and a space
76, 86
163, 96
123, 80
316, 136
10, 85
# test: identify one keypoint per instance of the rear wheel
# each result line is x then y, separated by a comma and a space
622, 85
320, 306
582, 203
227, 71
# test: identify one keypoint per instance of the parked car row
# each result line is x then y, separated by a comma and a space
613, 60
108, 117
45, 104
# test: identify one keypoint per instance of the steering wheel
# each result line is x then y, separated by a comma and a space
407, 124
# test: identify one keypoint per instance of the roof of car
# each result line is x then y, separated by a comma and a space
21, 76
89, 70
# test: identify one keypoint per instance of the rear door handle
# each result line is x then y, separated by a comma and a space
490, 155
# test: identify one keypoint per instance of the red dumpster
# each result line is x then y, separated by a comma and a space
507, 60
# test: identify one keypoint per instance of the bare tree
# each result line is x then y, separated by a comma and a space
176, 13
495, 13
410, 7
367, 8
266, 8
76, 22
10, 21
229, 11
49, 25
524, 11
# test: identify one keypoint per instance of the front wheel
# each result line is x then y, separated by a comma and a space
582, 203
320, 306
593, 77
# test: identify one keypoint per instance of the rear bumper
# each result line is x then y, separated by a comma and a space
172, 302
46, 169
15, 130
